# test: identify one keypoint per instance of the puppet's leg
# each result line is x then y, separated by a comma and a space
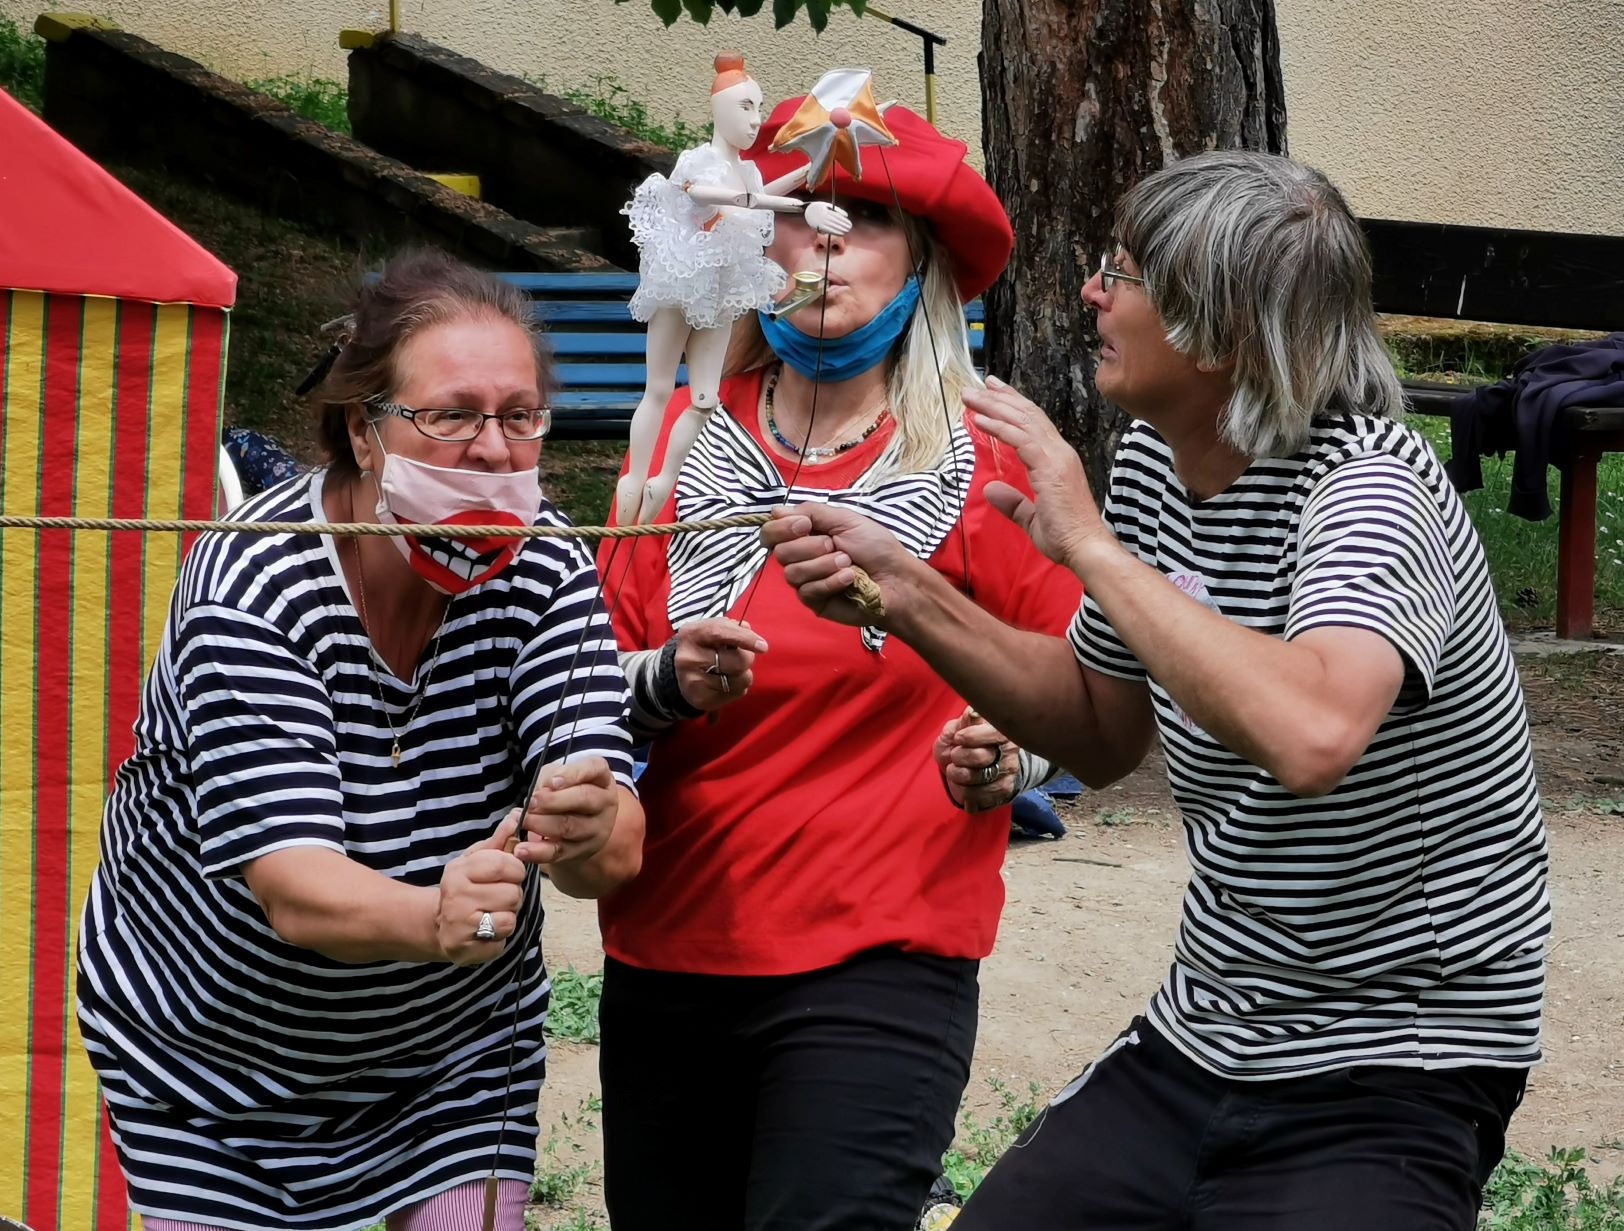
707, 349
667, 335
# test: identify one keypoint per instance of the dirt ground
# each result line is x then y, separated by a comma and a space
1088, 928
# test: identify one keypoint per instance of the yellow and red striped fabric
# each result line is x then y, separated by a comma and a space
107, 407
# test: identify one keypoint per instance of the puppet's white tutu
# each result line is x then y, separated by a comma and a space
714, 276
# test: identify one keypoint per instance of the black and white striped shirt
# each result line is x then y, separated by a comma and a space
1402, 918
253, 1084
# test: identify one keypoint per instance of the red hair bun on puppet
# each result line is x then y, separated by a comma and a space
932, 182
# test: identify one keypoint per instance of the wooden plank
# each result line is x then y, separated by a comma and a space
584, 311
609, 376
554, 285
1545, 278
1600, 419
572, 345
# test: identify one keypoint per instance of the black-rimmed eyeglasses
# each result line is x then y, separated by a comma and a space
1111, 273
451, 424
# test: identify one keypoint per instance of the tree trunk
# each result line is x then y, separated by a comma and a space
1081, 99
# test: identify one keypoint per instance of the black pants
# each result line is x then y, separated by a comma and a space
1149, 1140
803, 1102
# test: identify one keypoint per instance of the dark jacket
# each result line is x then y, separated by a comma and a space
1524, 413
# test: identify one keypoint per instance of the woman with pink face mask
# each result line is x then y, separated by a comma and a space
310, 977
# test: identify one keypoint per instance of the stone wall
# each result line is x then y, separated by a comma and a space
123, 99
536, 155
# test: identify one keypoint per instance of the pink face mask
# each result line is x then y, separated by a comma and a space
414, 492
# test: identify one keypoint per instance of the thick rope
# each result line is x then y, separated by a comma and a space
863, 591
177, 525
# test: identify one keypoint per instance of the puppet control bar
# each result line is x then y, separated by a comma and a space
931, 41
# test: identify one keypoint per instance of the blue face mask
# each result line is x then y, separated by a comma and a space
852, 355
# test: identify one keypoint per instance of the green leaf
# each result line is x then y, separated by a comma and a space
784, 12
667, 10
747, 8
699, 10
857, 6
818, 12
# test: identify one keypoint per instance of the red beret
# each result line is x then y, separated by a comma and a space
932, 181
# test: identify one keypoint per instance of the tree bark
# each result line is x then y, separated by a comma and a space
1081, 99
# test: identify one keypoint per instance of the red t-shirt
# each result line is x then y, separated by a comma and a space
808, 821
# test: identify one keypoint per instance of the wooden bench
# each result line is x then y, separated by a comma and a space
1541, 278
600, 348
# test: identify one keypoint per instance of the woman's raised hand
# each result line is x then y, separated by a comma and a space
571, 813
715, 661
484, 879
1062, 518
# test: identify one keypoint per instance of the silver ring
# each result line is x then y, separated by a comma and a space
989, 773
486, 929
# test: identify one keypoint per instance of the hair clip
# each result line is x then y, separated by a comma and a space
343, 330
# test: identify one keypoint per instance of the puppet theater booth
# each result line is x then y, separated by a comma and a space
113, 327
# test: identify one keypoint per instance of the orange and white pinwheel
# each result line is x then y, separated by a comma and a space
835, 121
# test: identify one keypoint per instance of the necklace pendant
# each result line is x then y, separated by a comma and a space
394, 754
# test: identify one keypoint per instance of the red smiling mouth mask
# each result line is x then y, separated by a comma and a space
411, 492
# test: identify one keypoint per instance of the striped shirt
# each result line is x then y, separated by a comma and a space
253, 1084
1401, 918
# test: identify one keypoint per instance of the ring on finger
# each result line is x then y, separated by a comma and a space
989, 773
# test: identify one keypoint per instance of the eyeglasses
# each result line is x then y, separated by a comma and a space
1111, 273
525, 423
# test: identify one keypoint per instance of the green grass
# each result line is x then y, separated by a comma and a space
1555, 1193
22, 64
979, 1144
1522, 554
606, 98
573, 1011
315, 98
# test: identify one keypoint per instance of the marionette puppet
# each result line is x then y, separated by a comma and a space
701, 235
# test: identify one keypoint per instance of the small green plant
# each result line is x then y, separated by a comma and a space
558, 1181
609, 100
573, 1011
315, 98
1555, 1193
580, 1220
22, 64
978, 1146
1114, 817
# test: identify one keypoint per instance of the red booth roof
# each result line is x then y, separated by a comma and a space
68, 227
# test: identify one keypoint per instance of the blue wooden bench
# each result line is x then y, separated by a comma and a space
600, 349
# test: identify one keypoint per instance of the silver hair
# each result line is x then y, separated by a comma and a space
1255, 259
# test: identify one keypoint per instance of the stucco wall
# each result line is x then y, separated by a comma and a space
1494, 112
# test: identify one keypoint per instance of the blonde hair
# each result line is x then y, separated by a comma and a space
929, 370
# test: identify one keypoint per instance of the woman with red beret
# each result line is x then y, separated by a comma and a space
790, 994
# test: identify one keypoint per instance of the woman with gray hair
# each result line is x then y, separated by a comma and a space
1284, 587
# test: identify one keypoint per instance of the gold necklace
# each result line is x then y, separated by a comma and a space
377, 687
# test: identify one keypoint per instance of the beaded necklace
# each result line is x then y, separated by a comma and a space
817, 452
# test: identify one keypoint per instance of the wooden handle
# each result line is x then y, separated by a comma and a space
490, 1204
